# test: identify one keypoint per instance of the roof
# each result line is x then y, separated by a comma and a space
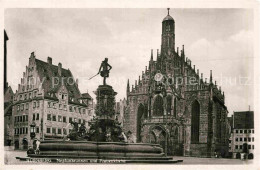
244, 120
168, 18
50, 73
86, 96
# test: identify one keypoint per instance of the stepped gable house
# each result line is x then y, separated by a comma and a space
47, 99
181, 111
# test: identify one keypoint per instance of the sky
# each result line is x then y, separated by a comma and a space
220, 40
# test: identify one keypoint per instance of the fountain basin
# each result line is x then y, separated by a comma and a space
98, 150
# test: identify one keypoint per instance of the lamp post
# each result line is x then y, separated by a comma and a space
32, 132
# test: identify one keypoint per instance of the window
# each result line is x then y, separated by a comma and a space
38, 103
21, 97
53, 117
65, 107
26, 118
249, 146
64, 131
59, 118
21, 130
245, 139
37, 130
236, 146
54, 130
27, 106
62, 96
30, 95
59, 131
33, 116
249, 131
245, 131
54, 105
237, 139
21, 118
75, 109
49, 104
34, 104
84, 121
70, 108
37, 116
48, 130
75, 119
64, 119
79, 121
26, 130
48, 116
253, 139
240, 146
35, 93
18, 107
252, 131
22, 107
195, 125
70, 119
253, 146
83, 111
60, 106
241, 139
25, 97
241, 131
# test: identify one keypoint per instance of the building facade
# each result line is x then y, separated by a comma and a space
242, 138
46, 101
8, 100
172, 105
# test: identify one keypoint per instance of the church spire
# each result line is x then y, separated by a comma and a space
210, 76
168, 11
128, 86
151, 54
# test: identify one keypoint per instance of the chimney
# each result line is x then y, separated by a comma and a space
59, 69
49, 60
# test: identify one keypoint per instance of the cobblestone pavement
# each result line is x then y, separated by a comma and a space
10, 159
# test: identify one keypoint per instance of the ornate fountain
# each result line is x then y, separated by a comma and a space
104, 141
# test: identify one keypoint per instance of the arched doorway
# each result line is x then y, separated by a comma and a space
140, 113
195, 122
25, 144
16, 144
158, 106
251, 156
158, 136
162, 139
152, 137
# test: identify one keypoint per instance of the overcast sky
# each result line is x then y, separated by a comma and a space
220, 40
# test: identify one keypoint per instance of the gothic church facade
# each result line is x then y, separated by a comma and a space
172, 105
